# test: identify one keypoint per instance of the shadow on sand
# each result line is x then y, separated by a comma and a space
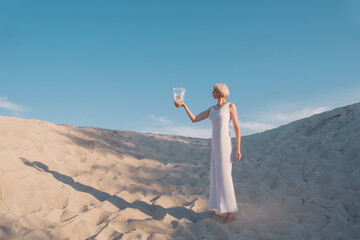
157, 212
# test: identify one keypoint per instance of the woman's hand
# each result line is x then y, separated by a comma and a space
179, 104
238, 155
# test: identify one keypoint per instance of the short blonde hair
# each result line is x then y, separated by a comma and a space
223, 89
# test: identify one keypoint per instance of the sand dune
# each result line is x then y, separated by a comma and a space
299, 181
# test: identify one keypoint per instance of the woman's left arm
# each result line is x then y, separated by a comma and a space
234, 117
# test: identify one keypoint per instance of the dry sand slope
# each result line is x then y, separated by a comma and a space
299, 181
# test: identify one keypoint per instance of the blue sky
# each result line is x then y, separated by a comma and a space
113, 64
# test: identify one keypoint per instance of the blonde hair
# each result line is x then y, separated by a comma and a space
223, 89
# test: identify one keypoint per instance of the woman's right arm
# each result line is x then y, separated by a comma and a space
201, 116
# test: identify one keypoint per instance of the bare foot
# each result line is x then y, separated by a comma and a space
229, 218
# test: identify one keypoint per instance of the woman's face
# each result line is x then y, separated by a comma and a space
216, 93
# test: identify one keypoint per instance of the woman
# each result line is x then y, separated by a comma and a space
222, 195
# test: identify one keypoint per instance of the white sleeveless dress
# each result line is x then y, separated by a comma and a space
222, 195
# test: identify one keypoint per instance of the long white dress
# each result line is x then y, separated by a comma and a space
222, 195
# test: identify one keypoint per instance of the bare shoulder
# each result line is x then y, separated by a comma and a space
232, 106
208, 110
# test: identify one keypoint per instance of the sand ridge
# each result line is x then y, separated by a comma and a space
299, 181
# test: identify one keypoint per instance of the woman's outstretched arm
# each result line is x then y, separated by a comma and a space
199, 117
234, 117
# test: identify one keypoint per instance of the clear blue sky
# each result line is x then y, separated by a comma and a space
113, 64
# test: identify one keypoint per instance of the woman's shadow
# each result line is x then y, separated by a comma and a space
157, 212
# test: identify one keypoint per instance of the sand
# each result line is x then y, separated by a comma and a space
299, 181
